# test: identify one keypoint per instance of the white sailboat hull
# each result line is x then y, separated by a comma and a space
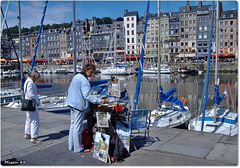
227, 122
155, 71
115, 71
167, 117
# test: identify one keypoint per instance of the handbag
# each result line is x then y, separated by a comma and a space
28, 105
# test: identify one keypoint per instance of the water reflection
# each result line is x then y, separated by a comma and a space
190, 87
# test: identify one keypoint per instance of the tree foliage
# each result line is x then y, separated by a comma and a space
104, 20
14, 30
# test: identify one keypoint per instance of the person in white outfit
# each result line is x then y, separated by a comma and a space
32, 117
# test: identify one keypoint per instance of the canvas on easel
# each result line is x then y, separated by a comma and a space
101, 146
102, 119
114, 88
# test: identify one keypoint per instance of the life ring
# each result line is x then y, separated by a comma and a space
182, 99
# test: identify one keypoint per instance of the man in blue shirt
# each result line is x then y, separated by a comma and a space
78, 100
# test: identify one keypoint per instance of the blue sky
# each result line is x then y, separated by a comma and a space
61, 11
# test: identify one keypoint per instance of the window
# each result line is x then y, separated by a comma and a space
205, 36
132, 24
226, 23
186, 23
132, 32
205, 27
127, 19
200, 28
128, 32
127, 25
231, 15
200, 36
226, 37
231, 23
132, 18
221, 23
231, 37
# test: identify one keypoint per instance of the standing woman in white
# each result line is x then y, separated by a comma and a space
32, 117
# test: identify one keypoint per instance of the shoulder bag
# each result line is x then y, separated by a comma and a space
27, 105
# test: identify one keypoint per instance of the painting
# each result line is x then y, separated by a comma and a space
101, 146
123, 129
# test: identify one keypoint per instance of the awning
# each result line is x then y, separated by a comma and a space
3, 59
130, 56
64, 59
224, 54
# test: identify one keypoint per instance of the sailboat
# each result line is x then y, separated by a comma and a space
215, 120
116, 69
168, 115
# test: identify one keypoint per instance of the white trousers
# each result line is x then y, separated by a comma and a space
75, 132
32, 124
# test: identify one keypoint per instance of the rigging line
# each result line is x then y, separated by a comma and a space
38, 37
32, 13
10, 37
5, 16
101, 11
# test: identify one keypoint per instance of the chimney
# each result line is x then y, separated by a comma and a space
94, 22
86, 24
188, 5
125, 11
170, 14
220, 8
199, 4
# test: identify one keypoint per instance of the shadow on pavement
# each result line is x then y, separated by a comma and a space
52, 136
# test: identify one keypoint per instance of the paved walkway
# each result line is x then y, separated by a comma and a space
163, 147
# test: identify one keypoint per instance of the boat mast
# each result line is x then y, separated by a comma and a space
141, 62
115, 45
20, 47
208, 69
159, 54
216, 58
74, 42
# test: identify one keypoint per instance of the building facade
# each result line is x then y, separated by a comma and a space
184, 34
130, 27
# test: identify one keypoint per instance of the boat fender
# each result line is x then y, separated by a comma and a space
183, 99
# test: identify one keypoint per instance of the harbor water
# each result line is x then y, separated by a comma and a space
187, 86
